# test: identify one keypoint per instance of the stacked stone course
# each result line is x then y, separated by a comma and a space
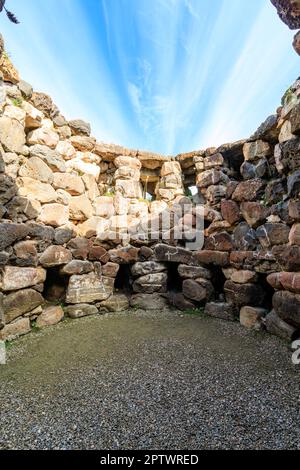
80, 236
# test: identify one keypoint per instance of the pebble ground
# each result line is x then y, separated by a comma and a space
149, 381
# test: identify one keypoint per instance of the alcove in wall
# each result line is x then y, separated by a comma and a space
55, 286
124, 280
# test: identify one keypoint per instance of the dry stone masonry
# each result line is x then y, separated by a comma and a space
88, 228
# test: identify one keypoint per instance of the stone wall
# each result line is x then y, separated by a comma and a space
80, 234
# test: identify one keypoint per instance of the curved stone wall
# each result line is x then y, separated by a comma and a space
88, 227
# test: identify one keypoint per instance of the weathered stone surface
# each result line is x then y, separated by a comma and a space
276, 326
71, 183
99, 253
25, 253
230, 211
55, 256
20, 302
174, 255
51, 157
285, 281
50, 316
273, 234
294, 236
55, 215
251, 317
64, 234
10, 233
220, 242
110, 269
25, 88
40, 232
17, 328
45, 104
243, 276
12, 135
151, 283
256, 150
294, 209
250, 170
79, 127
211, 177
222, 310
93, 227
33, 189
142, 269
126, 255
116, 303
88, 288
83, 143
288, 12
43, 136
244, 237
293, 184
248, 190
194, 291
244, 294
80, 247
80, 208
77, 267
81, 310
130, 189
288, 257
14, 278
193, 272
35, 168
211, 257
254, 213
287, 306
268, 130
148, 301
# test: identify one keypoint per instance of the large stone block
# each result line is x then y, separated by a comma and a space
118, 302
89, 288
173, 254
244, 294
148, 301
50, 316
77, 267
193, 272
54, 215
20, 302
36, 169
249, 190
15, 278
71, 183
151, 283
285, 281
43, 136
53, 159
287, 306
149, 267
55, 256
252, 317
126, 255
276, 326
12, 135
254, 213
81, 310
10, 233
79, 127
80, 208
221, 310
273, 234
256, 150
18, 328
230, 211
33, 189
194, 291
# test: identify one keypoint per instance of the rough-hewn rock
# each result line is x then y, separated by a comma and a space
89, 288
287, 306
148, 301
14, 278
20, 302
150, 283
276, 326
244, 294
55, 256
251, 317
80, 310
18, 328
50, 316
118, 302
222, 310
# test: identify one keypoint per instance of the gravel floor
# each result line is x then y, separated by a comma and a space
149, 381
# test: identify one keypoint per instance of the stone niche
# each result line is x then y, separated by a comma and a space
89, 228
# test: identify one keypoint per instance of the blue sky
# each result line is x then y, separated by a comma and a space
162, 75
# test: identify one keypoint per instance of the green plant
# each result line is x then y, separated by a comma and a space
288, 96
34, 328
194, 311
17, 102
109, 194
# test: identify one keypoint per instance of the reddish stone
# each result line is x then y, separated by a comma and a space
287, 306
125, 255
80, 247
254, 213
98, 253
273, 234
110, 269
193, 291
248, 190
294, 210
285, 281
288, 257
222, 310
244, 294
219, 242
212, 257
230, 211
294, 237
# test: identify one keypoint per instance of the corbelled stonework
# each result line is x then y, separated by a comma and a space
98, 228
289, 12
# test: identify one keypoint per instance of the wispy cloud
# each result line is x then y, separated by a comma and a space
164, 75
